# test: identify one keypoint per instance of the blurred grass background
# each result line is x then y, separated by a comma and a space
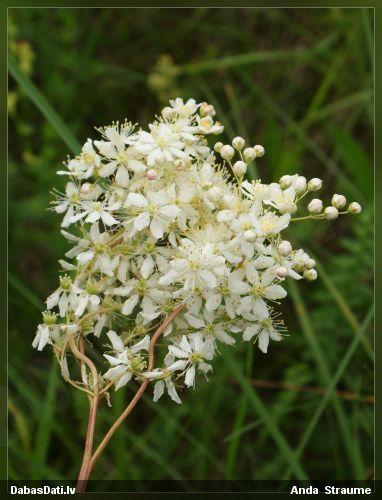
298, 81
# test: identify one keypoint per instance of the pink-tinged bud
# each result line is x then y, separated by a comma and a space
338, 201
152, 175
285, 248
281, 272
85, 188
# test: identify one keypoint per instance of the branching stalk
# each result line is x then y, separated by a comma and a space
89, 461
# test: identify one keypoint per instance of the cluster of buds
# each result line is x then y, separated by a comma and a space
165, 227
337, 207
246, 154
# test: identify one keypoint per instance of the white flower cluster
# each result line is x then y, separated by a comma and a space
161, 219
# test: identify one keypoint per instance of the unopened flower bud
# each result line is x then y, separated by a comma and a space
354, 208
314, 184
249, 154
331, 213
299, 184
239, 168
214, 193
310, 263
285, 181
315, 206
260, 151
338, 201
238, 143
168, 112
207, 109
227, 152
218, 146
152, 175
281, 272
310, 274
285, 248
249, 235
85, 188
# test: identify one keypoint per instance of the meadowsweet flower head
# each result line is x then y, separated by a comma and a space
157, 218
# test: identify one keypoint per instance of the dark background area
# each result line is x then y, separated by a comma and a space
299, 82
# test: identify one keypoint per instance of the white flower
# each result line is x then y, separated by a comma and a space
144, 290
71, 202
263, 330
95, 248
160, 145
192, 353
154, 211
64, 297
86, 300
184, 109
261, 288
282, 199
118, 153
95, 211
127, 362
270, 224
84, 165
42, 337
197, 267
210, 328
163, 381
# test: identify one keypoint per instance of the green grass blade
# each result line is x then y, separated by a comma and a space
260, 56
302, 136
46, 423
43, 105
344, 308
361, 97
25, 291
197, 444
260, 408
325, 375
238, 424
331, 388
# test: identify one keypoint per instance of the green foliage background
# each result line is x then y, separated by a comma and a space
298, 81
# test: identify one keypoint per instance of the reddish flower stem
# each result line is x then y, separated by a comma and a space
88, 464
